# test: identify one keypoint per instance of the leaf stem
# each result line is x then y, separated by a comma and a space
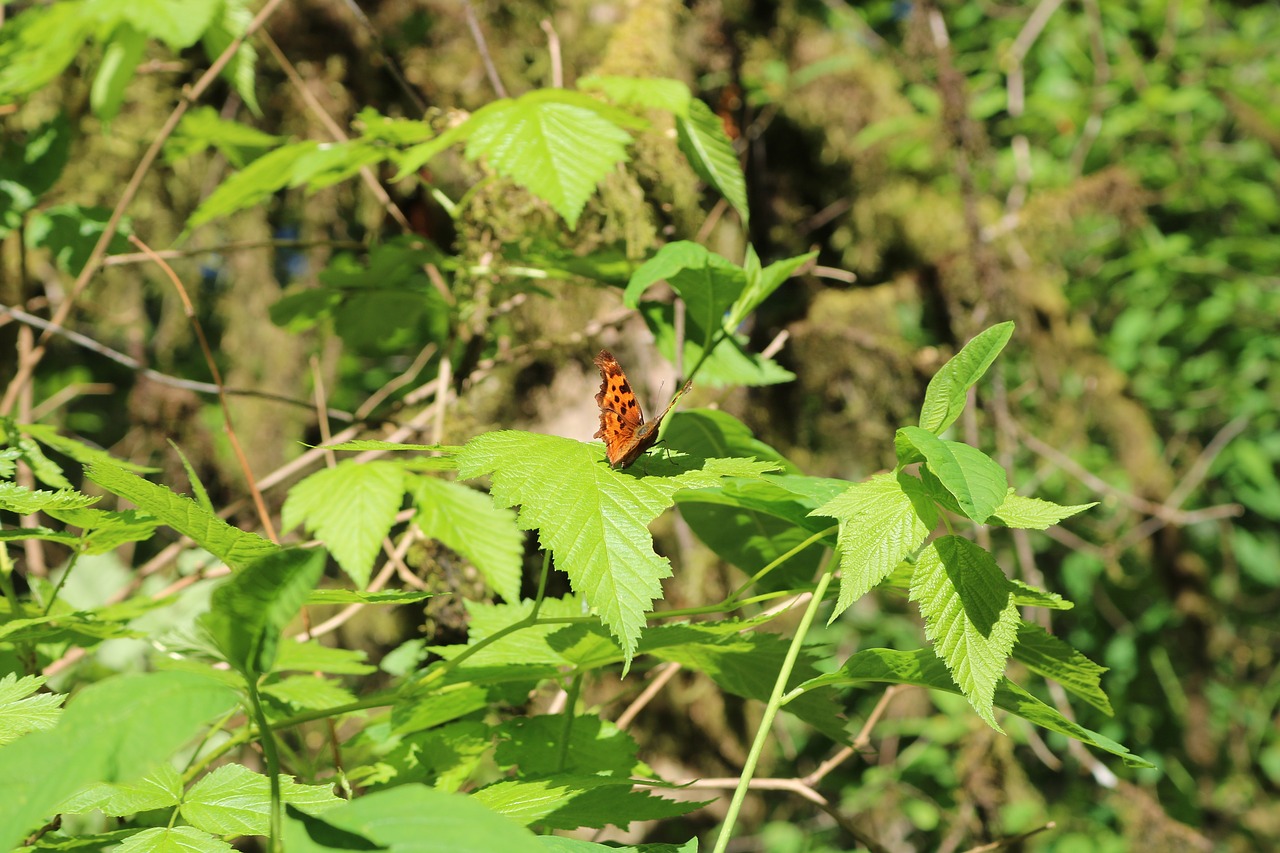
771, 711
542, 583
62, 581
275, 842
571, 702
758, 576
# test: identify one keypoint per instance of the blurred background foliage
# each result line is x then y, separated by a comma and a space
1103, 172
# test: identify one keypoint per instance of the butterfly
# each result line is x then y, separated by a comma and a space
622, 425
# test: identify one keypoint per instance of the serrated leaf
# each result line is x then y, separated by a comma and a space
701, 136
202, 127
23, 501
233, 800
1025, 595
922, 668
311, 656
111, 731
467, 522
248, 611
355, 596
444, 757
177, 23
592, 518
173, 839
418, 819
351, 508
978, 483
38, 45
1050, 657
882, 521
22, 710
105, 531
80, 452
1033, 513
239, 72
945, 396
712, 433
969, 616
595, 747
535, 645
658, 93
558, 151
162, 788
565, 801
309, 692
417, 711
237, 548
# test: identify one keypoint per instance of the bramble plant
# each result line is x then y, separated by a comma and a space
211, 739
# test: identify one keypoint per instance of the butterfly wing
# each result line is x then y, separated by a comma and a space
620, 415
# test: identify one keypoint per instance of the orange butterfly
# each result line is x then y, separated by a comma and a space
622, 424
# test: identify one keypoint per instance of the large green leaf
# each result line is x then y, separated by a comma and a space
708, 283
977, 482
945, 396
881, 521
922, 668
233, 800
237, 548
554, 144
250, 610
351, 507
701, 137
566, 801
593, 518
969, 616
112, 731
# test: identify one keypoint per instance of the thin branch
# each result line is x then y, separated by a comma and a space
1011, 840
27, 366
394, 67
553, 48
126, 258
476, 33
664, 674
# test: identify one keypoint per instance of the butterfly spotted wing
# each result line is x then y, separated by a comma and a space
622, 425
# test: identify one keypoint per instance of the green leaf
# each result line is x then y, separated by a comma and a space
708, 283
237, 548
253, 185
309, 692
418, 819
551, 645
923, 669
1033, 513
728, 365
656, 93
119, 62
70, 231
313, 657
969, 616
23, 501
882, 521
351, 507
1046, 655
355, 596
21, 712
248, 611
334, 162
233, 800
111, 731
79, 451
712, 433
593, 519
945, 396
761, 283
177, 23
173, 839
561, 844
977, 481
202, 127
444, 757
38, 44
701, 136
467, 522
595, 747
240, 71
157, 790
557, 147
565, 801
396, 131
1025, 595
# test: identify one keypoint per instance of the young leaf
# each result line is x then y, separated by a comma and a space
254, 184
119, 62
111, 731
712, 433
944, 398
237, 548
761, 283
248, 611
969, 616
160, 789
355, 596
239, 72
1046, 655
977, 481
701, 136
351, 508
556, 146
309, 692
173, 839
655, 93
22, 712
466, 521
313, 657
23, 501
922, 668
1026, 595
881, 522
594, 519
708, 283
1033, 513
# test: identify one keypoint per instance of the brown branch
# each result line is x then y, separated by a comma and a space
477, 34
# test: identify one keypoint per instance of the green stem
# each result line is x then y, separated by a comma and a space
542, 584
570, 704
758, 576
771, 711
62, 581
275, 842
16, 606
